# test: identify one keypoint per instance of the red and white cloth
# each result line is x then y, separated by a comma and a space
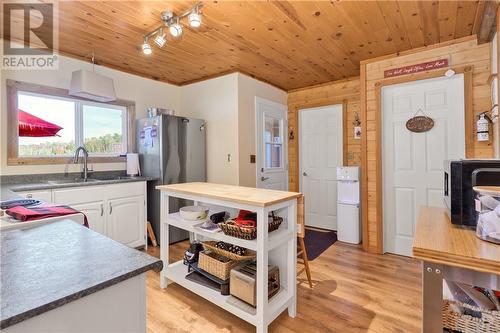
24, 214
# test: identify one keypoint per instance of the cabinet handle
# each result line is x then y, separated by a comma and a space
102, 209
110, 208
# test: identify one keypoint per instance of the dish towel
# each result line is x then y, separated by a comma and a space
40, 212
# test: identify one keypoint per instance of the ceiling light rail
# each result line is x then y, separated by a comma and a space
173, 24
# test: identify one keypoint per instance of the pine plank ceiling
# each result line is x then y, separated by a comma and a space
290, 44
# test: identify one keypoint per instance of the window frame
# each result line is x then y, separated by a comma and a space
13, 158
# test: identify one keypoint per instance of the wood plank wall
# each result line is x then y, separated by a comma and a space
337, 92
465, 52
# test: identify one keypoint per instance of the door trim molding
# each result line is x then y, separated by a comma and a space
311, 105
469, 137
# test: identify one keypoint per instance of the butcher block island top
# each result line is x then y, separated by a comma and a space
238, 194
437, 240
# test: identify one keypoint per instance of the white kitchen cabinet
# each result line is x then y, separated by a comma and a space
124, 220
89, 200
114, 210
94, 211
43, 195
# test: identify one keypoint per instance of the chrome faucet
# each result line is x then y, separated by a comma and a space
85, 157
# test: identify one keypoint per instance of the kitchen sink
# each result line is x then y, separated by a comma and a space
73, 181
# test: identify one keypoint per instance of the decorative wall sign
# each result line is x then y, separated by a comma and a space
357, 132
357, 127
419, 124
426, 66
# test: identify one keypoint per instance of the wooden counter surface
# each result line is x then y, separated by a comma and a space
239, 194
437, 240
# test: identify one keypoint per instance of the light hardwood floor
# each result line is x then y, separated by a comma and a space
354, 291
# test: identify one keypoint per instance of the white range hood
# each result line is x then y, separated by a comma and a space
93, 86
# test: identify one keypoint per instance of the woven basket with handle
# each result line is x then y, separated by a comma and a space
215, 264
249, 254
488, 323
231, 229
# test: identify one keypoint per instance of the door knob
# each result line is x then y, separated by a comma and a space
304, 174
264, 178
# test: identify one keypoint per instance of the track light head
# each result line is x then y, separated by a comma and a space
160, 38
175, 29
194, 18
146, 48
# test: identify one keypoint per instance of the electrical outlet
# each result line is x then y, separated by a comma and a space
350, 156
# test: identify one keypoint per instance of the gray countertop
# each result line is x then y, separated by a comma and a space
47, 185
8, 189
48, 266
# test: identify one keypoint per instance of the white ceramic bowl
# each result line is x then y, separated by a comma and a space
193, 213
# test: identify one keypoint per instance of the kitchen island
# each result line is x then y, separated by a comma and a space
277, 248
63, 277
451, 253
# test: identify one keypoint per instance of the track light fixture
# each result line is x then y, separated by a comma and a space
174, 25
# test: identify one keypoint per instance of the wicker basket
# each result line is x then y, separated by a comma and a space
489, 323
249, 254
249, 233
215, 264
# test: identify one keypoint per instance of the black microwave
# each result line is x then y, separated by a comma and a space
460, 176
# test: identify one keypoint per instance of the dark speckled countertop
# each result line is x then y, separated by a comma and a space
42, 270
9, 185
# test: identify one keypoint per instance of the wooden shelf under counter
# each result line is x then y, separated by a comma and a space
437, 240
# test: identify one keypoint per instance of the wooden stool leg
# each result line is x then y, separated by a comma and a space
151, 234
306, 261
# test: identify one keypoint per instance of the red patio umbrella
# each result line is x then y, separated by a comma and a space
30, 125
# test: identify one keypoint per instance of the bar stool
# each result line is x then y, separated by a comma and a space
301, 246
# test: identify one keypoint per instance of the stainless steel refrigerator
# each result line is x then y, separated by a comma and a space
172, 150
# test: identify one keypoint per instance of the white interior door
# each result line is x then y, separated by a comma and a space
413, 162
320, 153
272, 151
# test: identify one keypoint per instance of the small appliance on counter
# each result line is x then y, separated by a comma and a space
460, 176
487, 204
243, 282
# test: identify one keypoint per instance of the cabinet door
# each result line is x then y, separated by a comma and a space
126, 220
43, 195
95, 215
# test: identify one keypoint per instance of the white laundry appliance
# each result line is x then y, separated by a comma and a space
348, 199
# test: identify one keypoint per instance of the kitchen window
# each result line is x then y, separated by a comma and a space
47, 125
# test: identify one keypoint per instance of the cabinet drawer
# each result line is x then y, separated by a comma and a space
124, 190
43, 195
78, 195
